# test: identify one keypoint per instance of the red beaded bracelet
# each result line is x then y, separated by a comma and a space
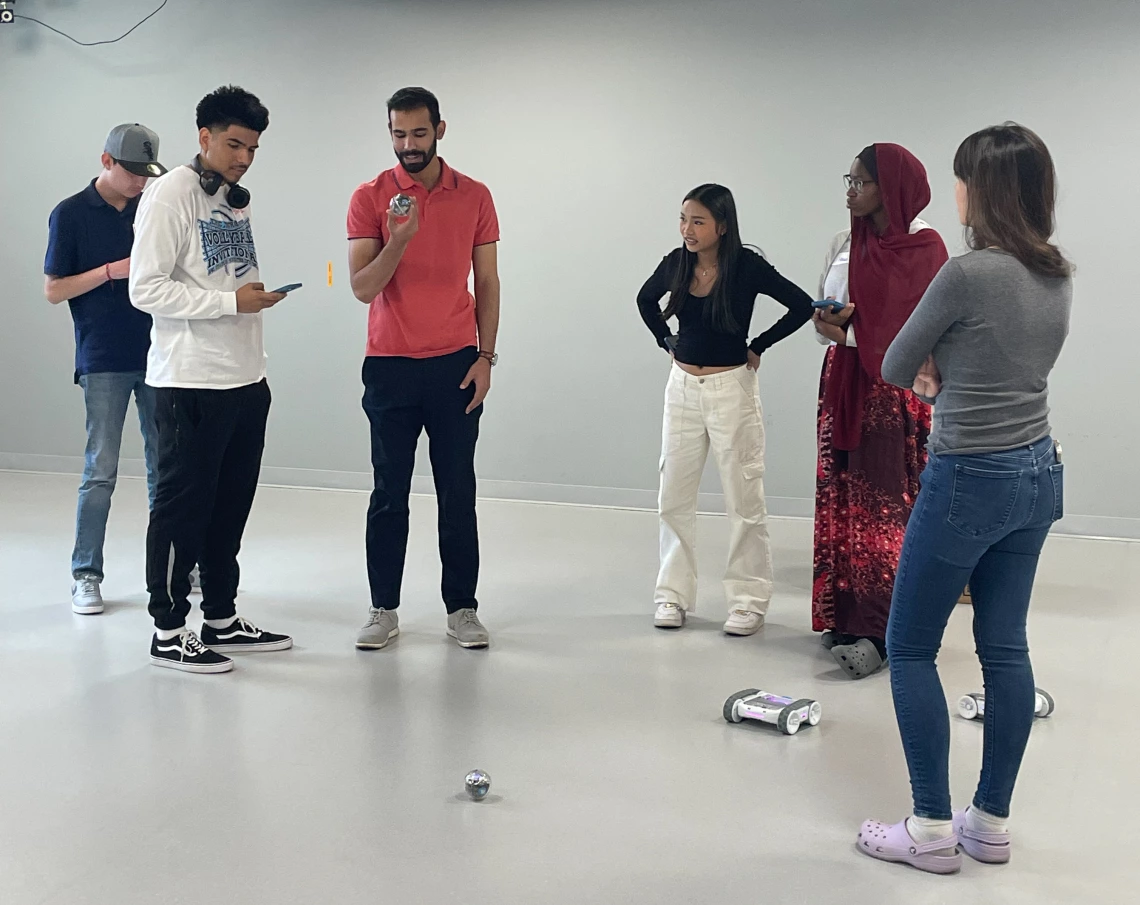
107, 269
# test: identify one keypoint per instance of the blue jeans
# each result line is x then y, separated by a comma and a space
107, 397
979, 519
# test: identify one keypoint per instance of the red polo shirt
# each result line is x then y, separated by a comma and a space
426, 310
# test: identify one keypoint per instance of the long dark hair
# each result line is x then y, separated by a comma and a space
722, 206
1011, 185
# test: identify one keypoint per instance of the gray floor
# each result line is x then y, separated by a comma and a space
327, 775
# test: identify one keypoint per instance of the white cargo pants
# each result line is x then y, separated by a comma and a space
722, 411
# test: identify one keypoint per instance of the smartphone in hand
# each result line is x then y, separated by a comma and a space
288, 288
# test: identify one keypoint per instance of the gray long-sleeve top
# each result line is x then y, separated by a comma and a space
996, 329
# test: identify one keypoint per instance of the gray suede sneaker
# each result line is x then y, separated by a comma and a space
464, 626
85, 597
382, 627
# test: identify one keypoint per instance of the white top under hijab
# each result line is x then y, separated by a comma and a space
833, 282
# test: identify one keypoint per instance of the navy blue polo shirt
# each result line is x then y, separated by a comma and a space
85, 232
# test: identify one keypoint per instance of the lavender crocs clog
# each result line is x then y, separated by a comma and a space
989, 848
894, 843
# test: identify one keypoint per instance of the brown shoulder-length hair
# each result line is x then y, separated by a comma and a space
1011, 189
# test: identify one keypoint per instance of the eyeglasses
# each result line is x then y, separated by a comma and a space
857, 184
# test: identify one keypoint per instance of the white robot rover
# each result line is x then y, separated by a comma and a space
973, 706
787, 714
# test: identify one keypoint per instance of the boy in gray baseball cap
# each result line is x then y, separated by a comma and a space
90, 236
135, 149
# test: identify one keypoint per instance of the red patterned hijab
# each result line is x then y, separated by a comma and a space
887, 277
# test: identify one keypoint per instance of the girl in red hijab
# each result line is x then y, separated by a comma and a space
872, 436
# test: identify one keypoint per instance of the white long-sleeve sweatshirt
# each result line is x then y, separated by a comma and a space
192, 252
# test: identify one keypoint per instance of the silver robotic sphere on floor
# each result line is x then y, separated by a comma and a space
401, 204
477, 784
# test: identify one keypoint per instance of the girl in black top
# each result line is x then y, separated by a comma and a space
712, 401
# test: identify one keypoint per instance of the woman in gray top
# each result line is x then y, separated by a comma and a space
995, 320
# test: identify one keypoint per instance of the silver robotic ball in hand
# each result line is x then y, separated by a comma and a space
401, 204
477, 784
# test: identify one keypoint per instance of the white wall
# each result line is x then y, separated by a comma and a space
589, 121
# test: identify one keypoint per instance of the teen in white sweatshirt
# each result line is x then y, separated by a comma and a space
194, 270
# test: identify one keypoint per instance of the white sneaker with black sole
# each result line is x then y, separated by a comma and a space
186, 652
243, 635
85, 596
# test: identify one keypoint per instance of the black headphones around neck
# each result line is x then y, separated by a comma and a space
212, 182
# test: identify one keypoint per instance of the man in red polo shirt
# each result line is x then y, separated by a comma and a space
431, 346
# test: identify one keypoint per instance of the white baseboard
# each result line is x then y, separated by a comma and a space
522, 491
1102, 526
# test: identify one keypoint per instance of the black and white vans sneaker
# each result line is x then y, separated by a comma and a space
187, 653
243, 635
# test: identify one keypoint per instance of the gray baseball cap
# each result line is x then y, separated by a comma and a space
135, 149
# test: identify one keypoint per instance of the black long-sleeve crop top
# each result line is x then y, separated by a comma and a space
701, 344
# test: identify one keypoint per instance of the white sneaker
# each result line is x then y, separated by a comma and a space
85, 597
669, 615
743, 622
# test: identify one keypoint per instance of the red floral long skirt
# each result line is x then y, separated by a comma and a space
863, 500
